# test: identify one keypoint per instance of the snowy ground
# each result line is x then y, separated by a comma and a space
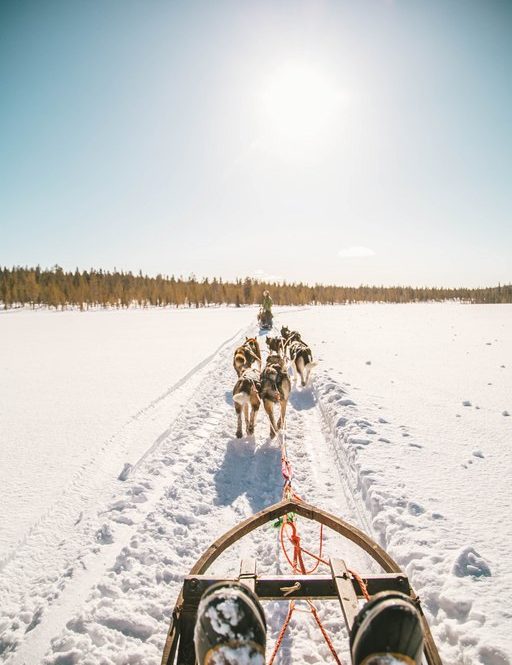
402, 433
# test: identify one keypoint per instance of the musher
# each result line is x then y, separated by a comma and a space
266, 305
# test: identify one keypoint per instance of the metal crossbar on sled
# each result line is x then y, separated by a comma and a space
340, 584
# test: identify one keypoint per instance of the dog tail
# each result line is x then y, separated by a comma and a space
241, 398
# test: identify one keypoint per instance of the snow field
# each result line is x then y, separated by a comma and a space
217, 481
65, 537
382, 440
433, 482
195, 482
74, 384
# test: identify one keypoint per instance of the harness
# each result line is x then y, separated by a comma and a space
275, 383
292, 337
252, 375
279, 343
248, 350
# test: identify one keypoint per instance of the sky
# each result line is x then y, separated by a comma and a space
326, 142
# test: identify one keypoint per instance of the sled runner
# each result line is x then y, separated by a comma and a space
340, 584
265, 319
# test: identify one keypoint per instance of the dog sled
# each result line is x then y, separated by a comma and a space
265, 319
341, 584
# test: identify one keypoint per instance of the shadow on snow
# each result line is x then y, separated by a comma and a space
251, 470
302, 400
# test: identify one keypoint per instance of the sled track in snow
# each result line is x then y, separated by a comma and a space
24, 588
310, 399
76, 486
112, 599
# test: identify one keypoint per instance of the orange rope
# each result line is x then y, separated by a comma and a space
327, 639
298, 550
282, 632
296, 561
319, 556
362, 584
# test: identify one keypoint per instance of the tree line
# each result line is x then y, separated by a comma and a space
54, 287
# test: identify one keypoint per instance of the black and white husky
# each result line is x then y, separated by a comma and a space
299, 354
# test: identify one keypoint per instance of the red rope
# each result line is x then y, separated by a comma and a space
318, 557
282, 632
296, 561
298, 550
327, 639
362, 584
286, 470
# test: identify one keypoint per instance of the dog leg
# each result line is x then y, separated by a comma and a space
294, 370
246, 418
252, 420
238, 411
269, 408
300, 367
255, 405
309, 367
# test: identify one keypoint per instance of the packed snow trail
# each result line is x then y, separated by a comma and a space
48, 572
113, 603
97, 472
71, 384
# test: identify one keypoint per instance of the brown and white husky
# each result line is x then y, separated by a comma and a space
246, 393
246, 355
275, 389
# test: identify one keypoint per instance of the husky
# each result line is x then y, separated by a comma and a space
265, 319
275, 344
246, 355
299, 354
275, 389
246, 393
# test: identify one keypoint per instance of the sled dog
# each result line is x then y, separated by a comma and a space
265, 319
245, 395
275, 345
246, 355
275, 389
299, 354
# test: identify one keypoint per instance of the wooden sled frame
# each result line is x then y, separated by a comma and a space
179, 645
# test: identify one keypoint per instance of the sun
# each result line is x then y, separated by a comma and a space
299, 104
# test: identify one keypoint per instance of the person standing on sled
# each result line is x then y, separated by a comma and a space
266, 305
265, 315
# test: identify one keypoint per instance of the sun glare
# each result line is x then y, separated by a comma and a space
299, 104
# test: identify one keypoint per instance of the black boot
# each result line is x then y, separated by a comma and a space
230, 626
388, 627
